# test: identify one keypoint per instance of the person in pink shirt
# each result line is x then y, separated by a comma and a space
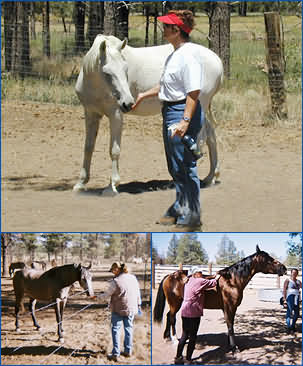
191, 311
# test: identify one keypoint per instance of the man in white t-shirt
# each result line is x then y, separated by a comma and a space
183, 116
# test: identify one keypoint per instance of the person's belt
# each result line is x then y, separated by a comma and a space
183, 101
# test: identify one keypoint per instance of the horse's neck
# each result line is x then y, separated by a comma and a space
69, 278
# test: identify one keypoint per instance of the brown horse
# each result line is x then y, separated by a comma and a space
52, 286
227, 296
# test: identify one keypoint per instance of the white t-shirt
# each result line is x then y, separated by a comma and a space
183, 73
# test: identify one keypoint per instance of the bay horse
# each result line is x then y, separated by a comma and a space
111, 77
52, 286
15, 265
226, 296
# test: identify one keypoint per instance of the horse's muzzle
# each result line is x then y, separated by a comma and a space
126, 107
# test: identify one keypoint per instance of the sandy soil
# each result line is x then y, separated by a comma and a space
260, 336
87, 332
42, 150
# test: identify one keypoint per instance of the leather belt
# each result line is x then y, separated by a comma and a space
183, 101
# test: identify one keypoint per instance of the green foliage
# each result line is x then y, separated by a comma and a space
294, 249
172, 250
227, 253
190, 250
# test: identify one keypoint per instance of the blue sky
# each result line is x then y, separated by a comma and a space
269, 242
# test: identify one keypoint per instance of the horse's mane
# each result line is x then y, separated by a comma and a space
241, 268
92, 57
54, 271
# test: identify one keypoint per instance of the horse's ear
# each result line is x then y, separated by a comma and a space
102, 48
258, 249
123, 44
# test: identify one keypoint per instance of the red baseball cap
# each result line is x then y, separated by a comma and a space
172, 18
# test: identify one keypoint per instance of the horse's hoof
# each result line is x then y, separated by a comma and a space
61, 340
79, 187
110, 191
18, 330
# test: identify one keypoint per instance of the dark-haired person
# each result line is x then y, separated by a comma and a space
179, 89
125, 303
191, 311
291, 294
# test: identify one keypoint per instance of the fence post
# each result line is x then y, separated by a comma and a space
278, 282
154, 275
275, 62
210, 267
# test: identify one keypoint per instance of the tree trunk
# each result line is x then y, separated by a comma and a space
275, 63
46, 30
147, 9
20, 42
116, 19
242, 8
33, 20
219, 32
9, 10
5, 242
122, 16
95, 20
155, 24
79, 26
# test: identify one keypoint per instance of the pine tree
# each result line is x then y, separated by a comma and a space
172, 250
191, 251
227, 253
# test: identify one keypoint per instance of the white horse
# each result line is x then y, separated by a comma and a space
110, 79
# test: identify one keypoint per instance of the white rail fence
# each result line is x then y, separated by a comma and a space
259, 281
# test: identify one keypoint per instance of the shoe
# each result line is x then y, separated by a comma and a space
167, 220
125, 354
186, 228
179, 360
112, 357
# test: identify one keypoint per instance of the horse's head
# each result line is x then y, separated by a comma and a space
114, 70
86, 279
267, 264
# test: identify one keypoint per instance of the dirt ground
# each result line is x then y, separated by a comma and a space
87, 332
42, 149
260, 336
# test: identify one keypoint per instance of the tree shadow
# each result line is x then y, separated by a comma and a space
43, 350
256, 329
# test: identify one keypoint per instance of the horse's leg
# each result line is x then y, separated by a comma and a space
32, 304
17, 309
208, 135
166, 334
59, 320
173, 326
62, 306
229, 315
116, 122
92, 121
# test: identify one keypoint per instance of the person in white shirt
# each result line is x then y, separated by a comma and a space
291, 294
183, 116
125, 303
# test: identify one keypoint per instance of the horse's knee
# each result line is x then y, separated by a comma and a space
115, 151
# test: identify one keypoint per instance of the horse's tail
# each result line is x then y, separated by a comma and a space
160, 303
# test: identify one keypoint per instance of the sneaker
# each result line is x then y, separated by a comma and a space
125, 354
179, 360
112, 357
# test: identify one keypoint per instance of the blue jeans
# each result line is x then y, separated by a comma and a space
182, 166
117, 321
292, 312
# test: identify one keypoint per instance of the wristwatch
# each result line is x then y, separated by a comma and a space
186, 119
